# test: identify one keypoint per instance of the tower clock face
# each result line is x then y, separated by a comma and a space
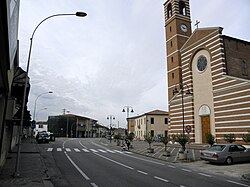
201, 63
183, 27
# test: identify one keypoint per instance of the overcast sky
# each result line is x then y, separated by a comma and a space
112, 58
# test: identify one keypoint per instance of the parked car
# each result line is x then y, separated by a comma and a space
52, 137
42, 137
226, 153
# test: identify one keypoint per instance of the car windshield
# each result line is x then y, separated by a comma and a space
217, 148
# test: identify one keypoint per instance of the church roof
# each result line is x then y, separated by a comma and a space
200, 34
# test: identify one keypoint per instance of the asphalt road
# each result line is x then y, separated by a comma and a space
87, 162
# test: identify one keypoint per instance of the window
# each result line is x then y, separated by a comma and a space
172, 59
152, 120
169, 9
40, 126
166, 121
244, 68
170, 28
172, 75
182, 8
171, 44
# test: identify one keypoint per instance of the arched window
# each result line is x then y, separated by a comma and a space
182, 8
169, 9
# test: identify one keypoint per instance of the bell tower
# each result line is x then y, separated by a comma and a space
178, 31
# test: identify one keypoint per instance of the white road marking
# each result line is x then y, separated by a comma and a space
82, 145
237, 183
68, 149
160, 179
114, 161
151, 161
93, 184
118, 151
206, 175
78, 169
187, 170
171, 166
110, 151
86, 150
93, 150
102, 151
50, 149
77, 150
128, 152
59, 149
142, 172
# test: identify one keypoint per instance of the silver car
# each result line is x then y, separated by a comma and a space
226, 153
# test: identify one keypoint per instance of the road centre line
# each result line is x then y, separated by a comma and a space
161, 179
203, 174
237, 183
142, 172
171, 166
93, 184
187, 170
145, 160
78, 169
114, 161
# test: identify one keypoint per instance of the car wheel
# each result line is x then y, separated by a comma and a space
229, 161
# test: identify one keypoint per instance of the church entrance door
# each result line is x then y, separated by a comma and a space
205, 123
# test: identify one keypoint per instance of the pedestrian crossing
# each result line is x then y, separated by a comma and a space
84, 150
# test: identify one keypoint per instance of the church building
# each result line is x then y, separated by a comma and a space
208, 78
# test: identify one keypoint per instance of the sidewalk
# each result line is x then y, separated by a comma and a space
141, 147
32, 168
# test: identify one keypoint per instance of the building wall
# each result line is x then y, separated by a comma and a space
237, 54
143, 125
222, 92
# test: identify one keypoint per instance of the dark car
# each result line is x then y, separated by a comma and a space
226, 153
52, 137
42, 137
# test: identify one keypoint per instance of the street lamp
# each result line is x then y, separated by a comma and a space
34, 111
79, 14
67, 133
110, 117
40, 110
127, 109
188, 92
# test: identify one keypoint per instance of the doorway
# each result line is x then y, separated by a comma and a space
205, 124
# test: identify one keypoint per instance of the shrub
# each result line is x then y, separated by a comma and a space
230, 138
210, 139
246, 137
182, 140
164, 140
118, 137
131, 136
149, 139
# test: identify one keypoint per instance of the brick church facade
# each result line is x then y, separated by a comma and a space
208, 78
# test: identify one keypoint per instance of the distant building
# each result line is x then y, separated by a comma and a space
70, 125
40, 126
154, 123
215, 69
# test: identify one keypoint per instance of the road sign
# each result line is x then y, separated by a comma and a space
188, 128
33, 124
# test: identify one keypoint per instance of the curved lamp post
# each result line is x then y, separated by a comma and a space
34, 111
79, 14
188, 92
40, 111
